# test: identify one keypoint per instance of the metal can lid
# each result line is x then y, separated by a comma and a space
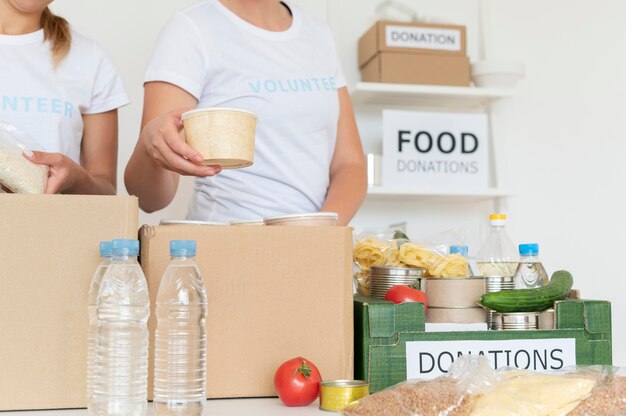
344, 383
398, 271
189, 222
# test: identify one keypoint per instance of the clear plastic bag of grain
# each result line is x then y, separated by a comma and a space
472, 388
18, 174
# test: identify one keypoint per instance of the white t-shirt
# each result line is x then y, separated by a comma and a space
289, 79
47, 102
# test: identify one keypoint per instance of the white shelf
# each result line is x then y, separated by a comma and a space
378, 193
432, 96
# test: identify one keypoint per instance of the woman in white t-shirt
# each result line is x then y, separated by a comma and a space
270, 58
61, 89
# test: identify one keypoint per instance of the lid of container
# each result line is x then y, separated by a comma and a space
344, 383
125, 247
462, 250
182, 248
305, 216
185, 222
186, 114
106, 249
248, 222
497, 219
529, 249
398, 271
445, 279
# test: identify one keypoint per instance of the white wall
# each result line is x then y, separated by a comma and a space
560, 140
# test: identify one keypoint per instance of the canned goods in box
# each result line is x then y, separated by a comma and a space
516, 321
336, 395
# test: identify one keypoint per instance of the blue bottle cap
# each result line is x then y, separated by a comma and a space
183, 248
462, 250
106, 248
531, 249
125, 247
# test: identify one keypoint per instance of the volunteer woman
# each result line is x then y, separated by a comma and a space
270, 58
61, 89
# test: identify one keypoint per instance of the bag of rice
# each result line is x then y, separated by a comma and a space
18, 174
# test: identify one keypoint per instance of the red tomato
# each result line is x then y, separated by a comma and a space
297, 382
404, 293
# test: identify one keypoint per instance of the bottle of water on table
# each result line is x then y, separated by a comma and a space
180, 344
106, 254
123, 307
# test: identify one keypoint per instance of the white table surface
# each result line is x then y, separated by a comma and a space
225, 407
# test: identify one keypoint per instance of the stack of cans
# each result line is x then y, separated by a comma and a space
496, 284
384, 278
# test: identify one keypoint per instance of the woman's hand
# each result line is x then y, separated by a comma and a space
162, 140
64, 172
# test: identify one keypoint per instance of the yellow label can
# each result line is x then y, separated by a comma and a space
336, 395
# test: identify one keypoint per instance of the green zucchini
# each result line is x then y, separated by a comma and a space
530, 300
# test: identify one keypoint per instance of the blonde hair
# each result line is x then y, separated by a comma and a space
57, 30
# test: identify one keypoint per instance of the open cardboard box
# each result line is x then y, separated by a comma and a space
274, 293
49, 246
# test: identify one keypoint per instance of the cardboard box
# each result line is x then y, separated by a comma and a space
49, 249
403, 68
411, 38
274, 293
390, 338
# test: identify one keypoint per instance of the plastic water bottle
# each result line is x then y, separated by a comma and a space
121, 375
180, 345
463, 251
497, 256
106, 254
530, 272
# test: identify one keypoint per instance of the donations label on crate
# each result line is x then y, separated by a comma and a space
431, 359
423, 38
430, 151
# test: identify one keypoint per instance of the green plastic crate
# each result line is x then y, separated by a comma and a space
382, 330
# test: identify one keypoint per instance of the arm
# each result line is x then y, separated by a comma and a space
98, 169
161, 154
348, 176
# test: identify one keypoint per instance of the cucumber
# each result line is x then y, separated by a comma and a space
530, 300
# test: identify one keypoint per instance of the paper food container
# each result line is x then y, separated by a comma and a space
445, 292
223, 136
313, 218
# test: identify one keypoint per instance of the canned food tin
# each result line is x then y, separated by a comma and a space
515, 321
336, 395
384, 278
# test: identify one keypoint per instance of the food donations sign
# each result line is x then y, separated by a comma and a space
429, 151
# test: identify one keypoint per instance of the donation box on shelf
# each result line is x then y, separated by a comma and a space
391, 344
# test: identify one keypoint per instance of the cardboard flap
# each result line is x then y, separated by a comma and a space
382, 319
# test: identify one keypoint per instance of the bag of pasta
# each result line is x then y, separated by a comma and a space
18, 174
375, 248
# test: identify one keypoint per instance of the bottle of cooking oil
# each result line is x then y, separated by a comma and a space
497, 255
